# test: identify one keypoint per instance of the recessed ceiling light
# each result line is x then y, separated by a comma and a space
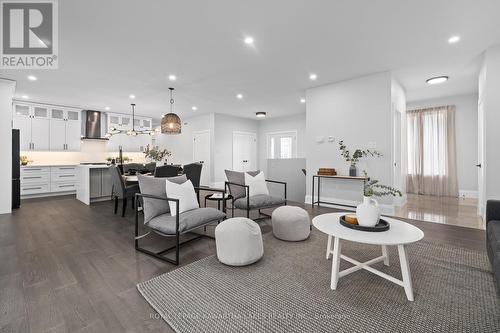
194, 108
239, 96
313, 76
437, 80
131, 96
249, 40
260, 114
32, 78
107, 108
302, 100
25, 96
454, 39
172, 77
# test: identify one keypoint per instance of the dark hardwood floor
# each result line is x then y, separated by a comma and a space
68, 267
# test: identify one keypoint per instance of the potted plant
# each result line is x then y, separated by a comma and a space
354, 158
24, 160
156, 154
368, 212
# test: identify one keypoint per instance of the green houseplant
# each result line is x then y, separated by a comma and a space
156, 154
354, 158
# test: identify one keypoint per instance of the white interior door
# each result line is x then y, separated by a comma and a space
244, 151
480, 160
201, 154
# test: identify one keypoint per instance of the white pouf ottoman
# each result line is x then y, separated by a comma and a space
238, 242
291, 223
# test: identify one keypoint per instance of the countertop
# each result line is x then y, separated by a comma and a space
46, 165
93, 166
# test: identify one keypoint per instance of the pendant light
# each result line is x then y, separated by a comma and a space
171, 123
131, 132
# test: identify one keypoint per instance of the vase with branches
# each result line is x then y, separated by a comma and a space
156, 154
368, 212
353, 158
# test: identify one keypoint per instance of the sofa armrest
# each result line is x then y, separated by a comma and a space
492, 210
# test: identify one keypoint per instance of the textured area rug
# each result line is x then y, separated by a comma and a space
289, 291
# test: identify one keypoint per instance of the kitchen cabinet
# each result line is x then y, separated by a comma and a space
129, 143
65, 129
48, 180
47, 128
100, 183
33, 124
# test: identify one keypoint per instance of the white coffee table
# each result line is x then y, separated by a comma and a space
399, 234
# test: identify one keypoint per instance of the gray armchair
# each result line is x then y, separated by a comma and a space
121, 190
158, 219
242, 198
493, 238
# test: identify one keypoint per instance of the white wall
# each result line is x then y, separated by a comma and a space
181, 145
357, 111
489, 86
296, 122
223, 150
7, 90
466, 136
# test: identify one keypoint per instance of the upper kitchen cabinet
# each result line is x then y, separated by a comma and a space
65, 129
121, 122
124, 123
34, 126
47, 128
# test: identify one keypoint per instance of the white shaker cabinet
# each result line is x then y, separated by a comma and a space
33, 124
65, 129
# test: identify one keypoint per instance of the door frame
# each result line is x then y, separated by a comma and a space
207, 131
296, 137
256, 147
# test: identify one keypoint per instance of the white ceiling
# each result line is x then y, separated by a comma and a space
110, 49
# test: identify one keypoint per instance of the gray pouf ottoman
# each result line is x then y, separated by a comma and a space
291, 223
238, 242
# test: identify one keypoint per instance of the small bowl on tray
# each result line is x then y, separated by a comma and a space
382, 225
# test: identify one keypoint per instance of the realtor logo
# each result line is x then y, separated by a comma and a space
29, 36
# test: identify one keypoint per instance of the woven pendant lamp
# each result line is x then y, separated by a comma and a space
171, 123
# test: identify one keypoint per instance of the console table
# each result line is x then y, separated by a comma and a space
317, 179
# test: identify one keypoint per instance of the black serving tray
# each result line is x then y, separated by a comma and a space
382, 225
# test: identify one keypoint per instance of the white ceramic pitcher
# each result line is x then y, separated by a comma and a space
368, 212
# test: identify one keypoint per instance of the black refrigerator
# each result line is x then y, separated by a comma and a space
16, 170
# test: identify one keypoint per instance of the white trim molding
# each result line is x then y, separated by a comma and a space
385, 209
466, 194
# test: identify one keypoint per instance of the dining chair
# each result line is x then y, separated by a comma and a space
137, 167
193, 173
121, 190
166, 171
150, 167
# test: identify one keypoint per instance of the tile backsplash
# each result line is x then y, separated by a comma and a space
91, 151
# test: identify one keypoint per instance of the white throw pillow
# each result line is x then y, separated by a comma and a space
257, 184
186, 195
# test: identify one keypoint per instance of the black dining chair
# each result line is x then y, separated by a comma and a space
121, 190
132, 167
166, 171
193, 173
150, 167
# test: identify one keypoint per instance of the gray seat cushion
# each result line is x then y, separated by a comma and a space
131, 190
156, 186
493, 236
188, 220
259, 201
237, 177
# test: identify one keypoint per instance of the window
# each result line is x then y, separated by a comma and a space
282, 145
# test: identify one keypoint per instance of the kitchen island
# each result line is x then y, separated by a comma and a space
94, 183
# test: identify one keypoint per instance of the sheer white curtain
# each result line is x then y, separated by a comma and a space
432, 152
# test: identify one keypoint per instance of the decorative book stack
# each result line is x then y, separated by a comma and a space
327, 172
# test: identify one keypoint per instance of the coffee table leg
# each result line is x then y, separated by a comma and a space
405, 272
335, 263
385, 254
328, 247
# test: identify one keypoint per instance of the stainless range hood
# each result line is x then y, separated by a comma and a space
92, 125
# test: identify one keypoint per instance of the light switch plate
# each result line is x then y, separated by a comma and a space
320, 139
331, 139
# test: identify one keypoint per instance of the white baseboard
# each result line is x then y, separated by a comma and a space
384, 208
468, 194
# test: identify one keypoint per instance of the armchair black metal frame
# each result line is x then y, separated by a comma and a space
247, 195
160, 254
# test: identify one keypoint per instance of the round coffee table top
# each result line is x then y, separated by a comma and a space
399, 232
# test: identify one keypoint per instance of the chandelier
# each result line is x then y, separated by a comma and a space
171, 123
132, 132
